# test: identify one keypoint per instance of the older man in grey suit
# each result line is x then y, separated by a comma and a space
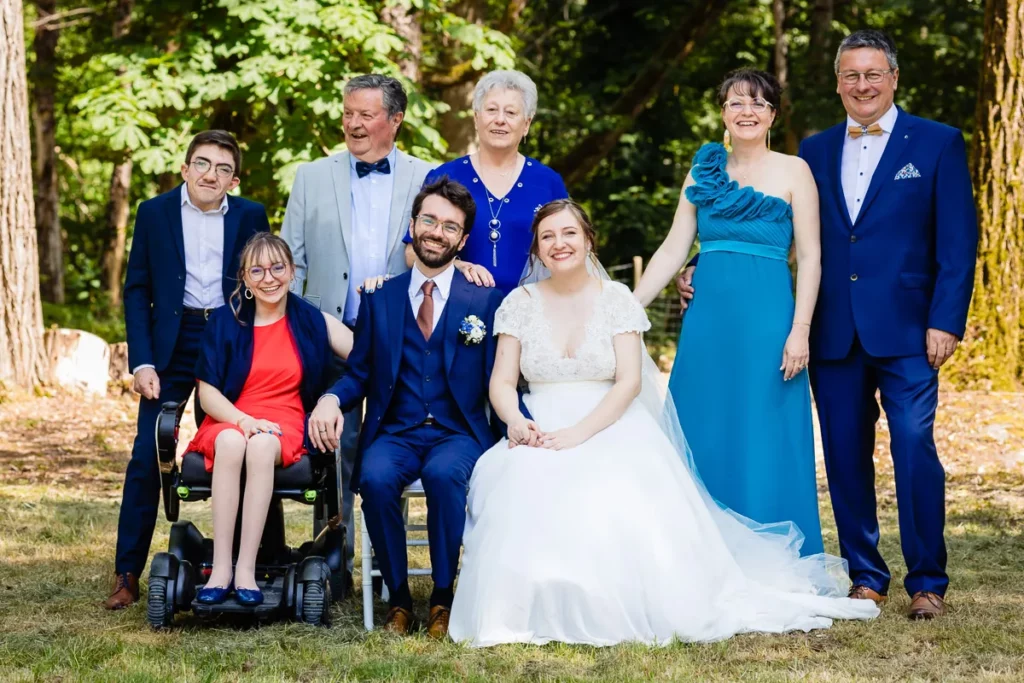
345, 220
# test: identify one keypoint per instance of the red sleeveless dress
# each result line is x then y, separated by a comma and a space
271, 392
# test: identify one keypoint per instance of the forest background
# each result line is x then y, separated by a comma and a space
116, 88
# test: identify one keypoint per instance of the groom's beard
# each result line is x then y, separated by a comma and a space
434, 259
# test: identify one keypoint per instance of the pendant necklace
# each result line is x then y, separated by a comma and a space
494, 225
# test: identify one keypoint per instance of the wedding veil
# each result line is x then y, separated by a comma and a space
767, 553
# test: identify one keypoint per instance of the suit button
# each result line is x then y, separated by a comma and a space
853, 278
428, 353
339, 309
176, 313
181, 277
344, 276
853, 238
427, 378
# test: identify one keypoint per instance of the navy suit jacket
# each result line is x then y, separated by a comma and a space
377, 354
154, 287
907, 264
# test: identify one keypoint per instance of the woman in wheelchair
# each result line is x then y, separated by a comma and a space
263, 364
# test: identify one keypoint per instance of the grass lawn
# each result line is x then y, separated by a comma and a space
61, 466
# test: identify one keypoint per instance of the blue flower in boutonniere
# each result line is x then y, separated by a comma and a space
473, 330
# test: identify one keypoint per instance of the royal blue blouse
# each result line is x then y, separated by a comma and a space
505, 257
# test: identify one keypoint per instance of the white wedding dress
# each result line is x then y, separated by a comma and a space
615, 540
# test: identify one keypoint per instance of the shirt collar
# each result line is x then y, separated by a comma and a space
391, 157
443, 280
887, 122
186, 200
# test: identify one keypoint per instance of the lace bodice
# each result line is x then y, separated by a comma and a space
522, 316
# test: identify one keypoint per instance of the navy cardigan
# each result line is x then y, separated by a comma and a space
225, 356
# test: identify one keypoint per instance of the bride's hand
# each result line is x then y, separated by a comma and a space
524, 433
563, 439
796, 353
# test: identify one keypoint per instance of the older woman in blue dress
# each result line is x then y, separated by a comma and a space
507, 186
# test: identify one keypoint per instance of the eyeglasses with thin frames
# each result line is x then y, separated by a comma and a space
758, 106
431, 222
203, 165
277, 270
874, 77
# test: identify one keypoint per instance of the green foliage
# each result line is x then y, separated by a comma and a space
104, 322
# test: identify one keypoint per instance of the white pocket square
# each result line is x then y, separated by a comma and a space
908, 171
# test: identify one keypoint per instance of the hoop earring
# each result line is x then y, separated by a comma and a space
248, 293
727, 141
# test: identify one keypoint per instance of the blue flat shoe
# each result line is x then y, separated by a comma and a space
214, 596
250, 597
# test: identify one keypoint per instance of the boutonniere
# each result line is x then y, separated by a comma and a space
473, 330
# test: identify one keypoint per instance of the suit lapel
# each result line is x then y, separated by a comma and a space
459, 299
835, 164
232, 221
399, 200
343, 196
173, 213
898, 141
397, 300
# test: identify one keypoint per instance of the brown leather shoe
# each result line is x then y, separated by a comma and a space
126, 592
399, 620
926, 605
861, 592
437, 623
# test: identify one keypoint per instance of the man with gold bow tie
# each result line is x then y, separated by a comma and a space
899, 238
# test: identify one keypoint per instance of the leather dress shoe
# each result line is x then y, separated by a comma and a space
126, 592
399, 620
862, 592
250, 597
214, 595
926, 605
437, 622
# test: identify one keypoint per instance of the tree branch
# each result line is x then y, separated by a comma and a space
43, 23
677, 46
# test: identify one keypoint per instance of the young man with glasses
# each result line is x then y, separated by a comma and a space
346, 216
422, 359
183, 263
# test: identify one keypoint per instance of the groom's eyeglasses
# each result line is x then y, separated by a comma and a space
853, 77
431, 223
757, 106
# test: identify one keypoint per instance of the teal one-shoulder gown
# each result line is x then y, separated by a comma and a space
751, 432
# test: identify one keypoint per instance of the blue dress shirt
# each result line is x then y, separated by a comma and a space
371, 216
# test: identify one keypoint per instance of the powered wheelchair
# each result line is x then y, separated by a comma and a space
297, 584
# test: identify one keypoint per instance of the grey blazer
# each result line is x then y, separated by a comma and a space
318, 225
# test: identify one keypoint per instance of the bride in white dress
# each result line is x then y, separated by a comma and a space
589, 526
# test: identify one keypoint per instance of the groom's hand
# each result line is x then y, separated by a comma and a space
325, 424
941, 346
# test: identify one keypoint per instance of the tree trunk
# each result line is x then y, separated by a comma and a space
21, 317
589, 152
781, 60
406, 24
993, 356
47, 198
455, 88
120, 185
820, 70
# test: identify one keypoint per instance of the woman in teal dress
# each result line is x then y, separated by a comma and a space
739, 381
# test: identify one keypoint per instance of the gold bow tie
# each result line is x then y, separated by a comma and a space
857, 131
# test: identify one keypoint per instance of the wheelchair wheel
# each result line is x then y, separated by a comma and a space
159, 609
316, 603
340, 583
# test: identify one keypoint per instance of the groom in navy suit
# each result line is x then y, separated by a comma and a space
422, 358
899, 238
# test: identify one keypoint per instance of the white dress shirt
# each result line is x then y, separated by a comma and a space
371, 218
443, 287
860, 159
204, 252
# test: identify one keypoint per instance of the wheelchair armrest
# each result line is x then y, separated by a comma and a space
166, 446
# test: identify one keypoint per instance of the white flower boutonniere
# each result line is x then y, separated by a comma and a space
473, 330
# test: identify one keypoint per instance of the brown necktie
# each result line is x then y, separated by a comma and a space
857, 131
425, 317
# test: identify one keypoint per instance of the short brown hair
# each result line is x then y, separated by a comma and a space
455, 192
222, 139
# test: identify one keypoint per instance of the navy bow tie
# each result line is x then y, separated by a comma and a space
364, 168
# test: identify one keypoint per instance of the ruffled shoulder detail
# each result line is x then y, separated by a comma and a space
714, 190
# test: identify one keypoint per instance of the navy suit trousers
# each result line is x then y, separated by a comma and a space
844, 391
141, 496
